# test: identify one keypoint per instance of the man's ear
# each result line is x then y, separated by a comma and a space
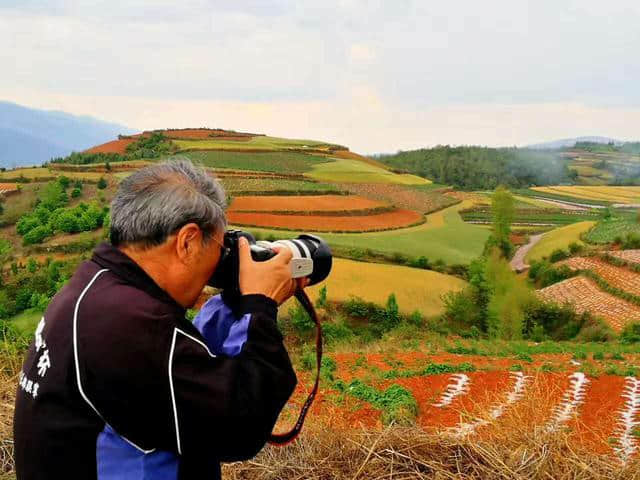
188, 242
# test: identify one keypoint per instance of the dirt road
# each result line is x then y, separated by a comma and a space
517, 262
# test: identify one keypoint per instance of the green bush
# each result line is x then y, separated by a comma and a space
336, 331
76, 192
358, 308
575, 248
321, 302
630, 333
300, 320
558, 255
36, 235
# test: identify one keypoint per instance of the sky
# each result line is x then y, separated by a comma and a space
376, 76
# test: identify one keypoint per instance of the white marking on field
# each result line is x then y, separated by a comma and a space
573, 397
458, 385
520, 384
627, 442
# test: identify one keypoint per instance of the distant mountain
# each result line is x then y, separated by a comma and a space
571, 142
30, 137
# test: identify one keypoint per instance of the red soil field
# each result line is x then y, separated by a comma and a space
485, 389
620, 277
8, 187
599, 414
320, 223
632, 256
115, 146
585, 295
310, 203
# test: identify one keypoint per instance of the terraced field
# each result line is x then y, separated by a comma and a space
585, 295
632, 256
313, 203
558, 238
623, 195
354, 171
256, 144
618, 277
279, 162
476, 395
328, 223
443, 236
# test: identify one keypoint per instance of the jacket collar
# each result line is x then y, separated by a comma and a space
108, 256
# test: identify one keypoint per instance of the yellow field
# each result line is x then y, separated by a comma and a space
415, 289
603, 193
30, 173
43, 174
558, 238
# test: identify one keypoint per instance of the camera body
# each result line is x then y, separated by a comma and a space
312, 258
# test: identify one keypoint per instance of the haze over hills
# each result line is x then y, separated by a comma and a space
570, 142
30, 136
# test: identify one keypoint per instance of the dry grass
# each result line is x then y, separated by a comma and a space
411, 453
10, 363
516, 447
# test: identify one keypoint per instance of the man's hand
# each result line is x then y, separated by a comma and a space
271, 278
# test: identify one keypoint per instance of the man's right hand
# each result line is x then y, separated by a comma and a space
271, 278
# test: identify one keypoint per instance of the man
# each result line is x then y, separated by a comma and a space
118, 384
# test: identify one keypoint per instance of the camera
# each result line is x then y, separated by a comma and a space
311, 258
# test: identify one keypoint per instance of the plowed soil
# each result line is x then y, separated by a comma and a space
598, 416
400, 196
619, 277
207, 134
320, 223
585, 295
632, 256
310, 203
8, 187
115, 146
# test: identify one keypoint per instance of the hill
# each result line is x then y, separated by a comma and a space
422, 330
31, 137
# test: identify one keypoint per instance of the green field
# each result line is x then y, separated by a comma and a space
444, 236
532, 216
255, 143
272, 186
354, 171
277, 162
607, 230
558, 238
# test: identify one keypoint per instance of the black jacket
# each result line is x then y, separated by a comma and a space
118, 384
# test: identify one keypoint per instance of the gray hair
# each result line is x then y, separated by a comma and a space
156, 201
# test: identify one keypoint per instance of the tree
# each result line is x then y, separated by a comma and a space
107, 166
64, 181
102, 183
75, 193
502, 208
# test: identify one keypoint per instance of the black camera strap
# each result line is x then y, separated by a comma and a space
281, 439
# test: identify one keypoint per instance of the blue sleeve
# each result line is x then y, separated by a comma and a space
224, 333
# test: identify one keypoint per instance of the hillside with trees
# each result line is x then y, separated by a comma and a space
483, 168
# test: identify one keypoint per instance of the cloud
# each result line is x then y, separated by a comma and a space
353, 64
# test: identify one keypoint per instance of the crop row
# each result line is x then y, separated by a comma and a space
585, 296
